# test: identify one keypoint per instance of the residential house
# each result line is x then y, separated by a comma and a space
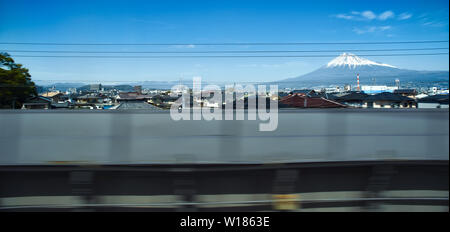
389, 100
165, 101
411, 93
302, 101
54, 96
38, 102
303, 92
434, 101
89, 99
352, 98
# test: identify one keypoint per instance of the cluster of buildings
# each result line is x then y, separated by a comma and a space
366, 97
96, 97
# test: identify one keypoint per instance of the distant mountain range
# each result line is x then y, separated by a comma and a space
344, 68
45, 85
341, 70
127, 86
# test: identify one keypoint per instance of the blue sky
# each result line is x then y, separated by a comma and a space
215, 22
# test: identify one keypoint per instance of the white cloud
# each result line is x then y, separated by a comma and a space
384, 28
344, 16
368, 14
428, 21
364, 31
386, 15
434, 24
372, 29
404, 16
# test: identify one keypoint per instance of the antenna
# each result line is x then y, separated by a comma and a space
357, 83
183, 104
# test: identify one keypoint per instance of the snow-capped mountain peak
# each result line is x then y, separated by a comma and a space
352, 61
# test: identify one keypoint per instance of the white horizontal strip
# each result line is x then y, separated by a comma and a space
41, 200
411, 208
214, 200
415, 193
160, 201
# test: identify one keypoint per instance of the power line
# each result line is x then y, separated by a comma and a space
265, 56
259, 51
224, 44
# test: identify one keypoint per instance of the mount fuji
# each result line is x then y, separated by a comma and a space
344, 68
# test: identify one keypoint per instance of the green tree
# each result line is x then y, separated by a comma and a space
15, 83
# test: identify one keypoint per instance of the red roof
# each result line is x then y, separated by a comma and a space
300, 101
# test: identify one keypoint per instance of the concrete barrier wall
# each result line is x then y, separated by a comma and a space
140, 137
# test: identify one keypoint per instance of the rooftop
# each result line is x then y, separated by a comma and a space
135, 106
388, 97
50, 94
